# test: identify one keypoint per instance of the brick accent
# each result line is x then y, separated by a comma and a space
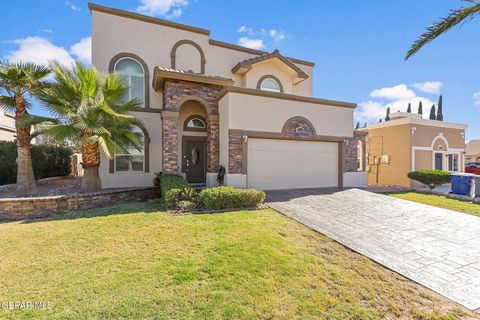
298, 127
235, 151
170, 145
42, 207
174, 91
351, 153
213, 145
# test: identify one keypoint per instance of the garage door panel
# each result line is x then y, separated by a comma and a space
284, 164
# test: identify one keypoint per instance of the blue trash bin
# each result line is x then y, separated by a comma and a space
461, 184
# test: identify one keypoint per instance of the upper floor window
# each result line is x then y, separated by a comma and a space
195, 123
270, 84
131, 71
131, 159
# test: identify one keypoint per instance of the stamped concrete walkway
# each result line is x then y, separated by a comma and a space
437, 248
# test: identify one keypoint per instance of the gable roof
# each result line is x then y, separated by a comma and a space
245, 65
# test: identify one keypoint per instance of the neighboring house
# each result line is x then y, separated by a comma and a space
408, 143
7, 126
207, 103
472, 151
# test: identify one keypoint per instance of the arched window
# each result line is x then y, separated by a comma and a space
131, 71
195, 123
132, 158
269, 84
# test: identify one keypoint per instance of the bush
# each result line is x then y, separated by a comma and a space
174, 196
431, 178
228, 197
47, 161
169, 182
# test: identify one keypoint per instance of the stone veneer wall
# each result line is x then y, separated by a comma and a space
298, 128
235, 151
42, 207
174, 91
351, 153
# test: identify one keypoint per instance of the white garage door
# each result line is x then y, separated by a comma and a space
288, 164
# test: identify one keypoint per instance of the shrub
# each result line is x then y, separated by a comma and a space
174, 196
47, 161
186, 206
228, 197
431, 178
169, 182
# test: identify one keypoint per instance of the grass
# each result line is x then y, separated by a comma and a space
148, 264
441, 202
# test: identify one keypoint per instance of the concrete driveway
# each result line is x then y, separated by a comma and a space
437, 248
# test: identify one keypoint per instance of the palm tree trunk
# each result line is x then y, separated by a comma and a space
26, 184
91, 162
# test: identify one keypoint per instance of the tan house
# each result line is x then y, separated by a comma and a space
207, 103
7, 126
472, 151
408, 143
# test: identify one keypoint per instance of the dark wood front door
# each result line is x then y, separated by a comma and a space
194, 158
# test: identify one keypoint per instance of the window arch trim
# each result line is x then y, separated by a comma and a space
196, 116
146, 74
269, 76
173, 54
146, 154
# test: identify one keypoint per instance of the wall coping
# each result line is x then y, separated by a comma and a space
76, 195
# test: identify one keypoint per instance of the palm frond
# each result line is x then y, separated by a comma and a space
7, 103
31, 120
459, 16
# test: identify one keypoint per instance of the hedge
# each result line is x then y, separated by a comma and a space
47, 161
169, 182
431, 178
220, 198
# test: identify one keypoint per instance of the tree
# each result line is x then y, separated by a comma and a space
432, 113
420, 108
89, 111
456, 17
409, 109
380, 120
440, 109
365, 125
387, 117
18, 81
358, 125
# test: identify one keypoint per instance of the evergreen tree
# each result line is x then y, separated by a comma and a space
365, 125
387, 117
409, 109
440, 109
380, 120
432, 113
420, 108
358, 125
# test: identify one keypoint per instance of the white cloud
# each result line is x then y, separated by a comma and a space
245, 29
433, 87
46, 30
476, 98
396, 98
165, 8
38, 50
398, 92
251, 43
277, 35
73, 6
82, 50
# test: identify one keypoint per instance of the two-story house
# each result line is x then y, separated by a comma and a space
207, 103
7, 126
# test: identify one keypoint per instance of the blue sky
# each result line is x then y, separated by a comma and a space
358, 46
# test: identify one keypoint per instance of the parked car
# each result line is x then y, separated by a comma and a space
472, 167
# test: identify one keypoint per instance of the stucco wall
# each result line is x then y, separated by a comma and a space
394, 142
247, 112
270, 67
7, 124
424, 136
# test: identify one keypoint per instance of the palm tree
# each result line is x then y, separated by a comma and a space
88, 110
17, 82
459, 16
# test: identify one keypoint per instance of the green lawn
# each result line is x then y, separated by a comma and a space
148, 264
441, 201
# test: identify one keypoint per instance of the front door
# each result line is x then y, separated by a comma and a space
195, 161
439, 161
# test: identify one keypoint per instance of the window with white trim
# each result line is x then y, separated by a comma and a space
269, 84
453, 162
132, 73
132, 158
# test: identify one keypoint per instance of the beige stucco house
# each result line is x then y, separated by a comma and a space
472, 151
409, 143
207, 103
7, 126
